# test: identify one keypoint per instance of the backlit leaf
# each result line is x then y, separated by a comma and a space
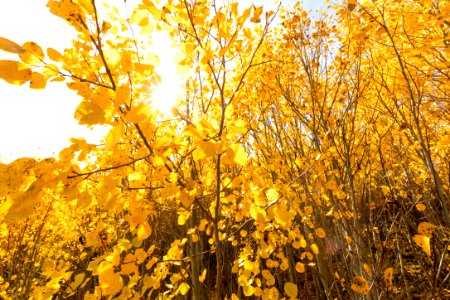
111, 283
89, 114
321, 233
420, 207
314, 248
387, 275
360, 285
248, 290
33, 54
424, 242
78, 280
299, 267
184, 288
144, 231
368, 270
426, 229
10, 46
14, 72
54, 55
202, 277
138, 113
291, 290
236, 154
25, 203
114, 136
38, 81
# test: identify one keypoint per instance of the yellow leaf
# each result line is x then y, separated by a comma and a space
183, 288
308, 210
360, 285
257, 212
385, 189
351, 4
104, 266
112, 56
111, 283
331, 185
258, 291
202, 277
151, 262
122, 95
33, 54
54, 55
144, 231
321, 233
189, 48
234, 9
426, 229
136, 217
245, 15
78, 279
272, 195
248, 265
271, 294
248, 290
89, 114
270, 279
24, 204
4, 208
84, 199
183, 216
38, 81
296, 244
235, 154
202, 225
14, 72
175, 278
185, 199
367, 269
51, 70
303, 243
10, 46
314, 248
240, 155
420, 207
256, 18
210, 148
387, 275
424, 242
114, 136
128, 267
284, 216
299, 267
114, 257
291, 290
199, 154
139, 113
140, 255
123, 245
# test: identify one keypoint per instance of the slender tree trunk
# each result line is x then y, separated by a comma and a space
198, 292
218, 244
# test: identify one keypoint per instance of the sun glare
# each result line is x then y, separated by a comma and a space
170, 87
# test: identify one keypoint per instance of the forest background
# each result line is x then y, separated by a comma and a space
306, 156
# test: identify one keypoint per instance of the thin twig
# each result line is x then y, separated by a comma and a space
108, 169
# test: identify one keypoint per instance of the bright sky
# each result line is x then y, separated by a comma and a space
39, 123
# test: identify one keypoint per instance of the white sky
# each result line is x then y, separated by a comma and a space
39, 123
